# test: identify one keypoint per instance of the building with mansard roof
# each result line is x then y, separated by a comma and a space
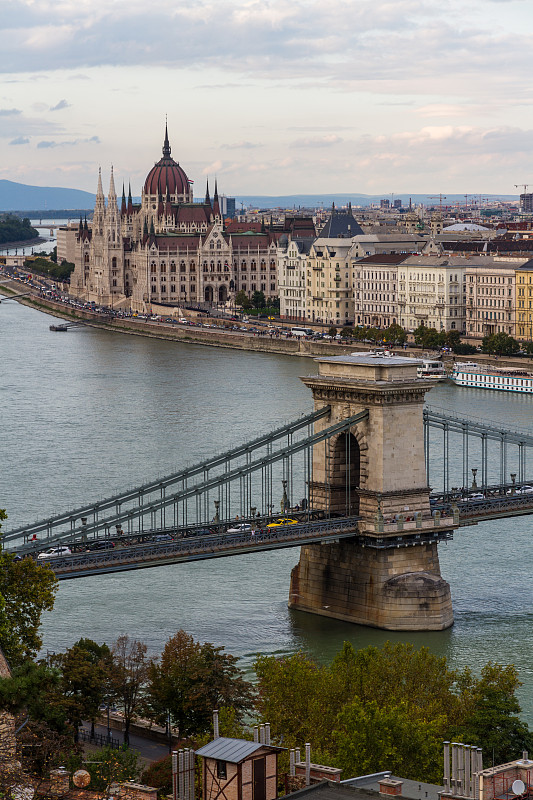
169, 249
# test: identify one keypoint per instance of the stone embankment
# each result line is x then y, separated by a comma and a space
220, 338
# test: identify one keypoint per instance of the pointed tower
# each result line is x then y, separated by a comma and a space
207, 198
123, 204
112, 220
130, 201
216, 206
99, 208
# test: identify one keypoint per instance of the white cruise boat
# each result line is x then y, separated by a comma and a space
485, 376
430, 368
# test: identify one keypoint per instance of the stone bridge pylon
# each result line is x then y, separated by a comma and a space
388, 576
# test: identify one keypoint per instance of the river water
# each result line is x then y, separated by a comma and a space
93, 412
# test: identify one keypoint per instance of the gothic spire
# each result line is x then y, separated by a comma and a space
123, 205
112, 191
207, 198
99, 190
130, 201
166, 145
216, 206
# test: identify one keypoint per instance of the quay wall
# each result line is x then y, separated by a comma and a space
220, 338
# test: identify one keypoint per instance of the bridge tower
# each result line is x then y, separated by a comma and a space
388, 575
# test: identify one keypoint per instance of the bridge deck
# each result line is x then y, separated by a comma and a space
199, 548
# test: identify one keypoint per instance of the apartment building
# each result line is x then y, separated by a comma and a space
292, 260
376, 289
329, 289
524, 301
431, 291
491, 295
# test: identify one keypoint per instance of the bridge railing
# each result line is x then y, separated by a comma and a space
222, 543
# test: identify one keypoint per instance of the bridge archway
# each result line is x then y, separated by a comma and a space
345, 475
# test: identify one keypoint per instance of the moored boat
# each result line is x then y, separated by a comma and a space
485, 376
431, 368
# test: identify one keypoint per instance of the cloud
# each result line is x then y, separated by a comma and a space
48, 144
60, 106
441, 110
241, 146
9, 112
323, 141
20, 140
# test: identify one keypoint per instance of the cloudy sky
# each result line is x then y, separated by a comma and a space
270, 96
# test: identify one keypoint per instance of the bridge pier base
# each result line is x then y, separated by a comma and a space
397, 589
388, 575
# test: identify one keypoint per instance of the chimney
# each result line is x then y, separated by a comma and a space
267, 733
175, 795
390, 787
446, 773
307, 764
215, 724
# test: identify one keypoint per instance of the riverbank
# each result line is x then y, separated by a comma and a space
24, 243
236, 340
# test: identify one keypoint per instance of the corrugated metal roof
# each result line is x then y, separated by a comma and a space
233, 750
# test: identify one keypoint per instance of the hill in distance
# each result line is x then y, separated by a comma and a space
316, 200
21, 197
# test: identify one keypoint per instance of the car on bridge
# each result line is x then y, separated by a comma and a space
104, 544
54, 552
281, 521
240, 527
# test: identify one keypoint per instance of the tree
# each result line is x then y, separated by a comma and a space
429, 338
109, 766
394, 334
26, 590
490, 713
85, 674
129, 677
242, 299
332, 331
370, 737
500, 344
191, 679
390, 707
258, 300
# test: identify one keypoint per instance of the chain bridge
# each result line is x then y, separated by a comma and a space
367, 485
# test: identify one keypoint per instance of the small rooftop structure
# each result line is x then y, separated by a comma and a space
236, 769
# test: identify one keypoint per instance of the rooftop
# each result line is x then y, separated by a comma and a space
232, 750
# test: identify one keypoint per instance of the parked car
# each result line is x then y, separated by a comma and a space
55, 552
281, 521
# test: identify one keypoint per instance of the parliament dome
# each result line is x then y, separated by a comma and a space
167, 176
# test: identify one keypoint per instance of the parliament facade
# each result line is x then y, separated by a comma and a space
169, 249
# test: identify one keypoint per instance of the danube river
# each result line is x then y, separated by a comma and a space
91, 412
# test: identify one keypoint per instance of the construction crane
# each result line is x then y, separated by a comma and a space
525, 185
439, 197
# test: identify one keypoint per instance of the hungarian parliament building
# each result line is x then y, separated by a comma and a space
170, 250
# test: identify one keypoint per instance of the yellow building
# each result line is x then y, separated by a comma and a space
524, 301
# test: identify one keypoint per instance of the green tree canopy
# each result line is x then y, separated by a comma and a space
500, 344
191, 679
242, 299
390, 708
27, 589
258, 299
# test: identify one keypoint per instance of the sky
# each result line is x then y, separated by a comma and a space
272, 97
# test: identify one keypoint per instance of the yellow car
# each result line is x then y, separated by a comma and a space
282, 521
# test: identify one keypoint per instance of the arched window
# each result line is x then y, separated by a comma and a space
219, 244
114, 262
219, 266
173, 266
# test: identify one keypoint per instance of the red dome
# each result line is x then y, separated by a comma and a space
166, 175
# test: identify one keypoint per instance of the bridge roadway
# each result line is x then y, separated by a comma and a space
199, 548
497, 503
